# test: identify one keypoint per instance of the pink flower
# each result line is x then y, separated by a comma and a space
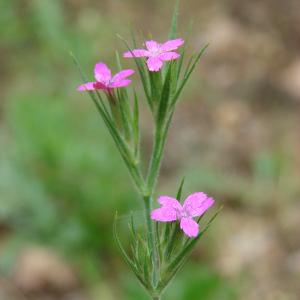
104, 79
157, 53
195, 205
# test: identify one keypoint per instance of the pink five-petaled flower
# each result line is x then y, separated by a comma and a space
157, 53
195, 205
104, 79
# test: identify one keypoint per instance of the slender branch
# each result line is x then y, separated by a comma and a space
160, 137
155, 159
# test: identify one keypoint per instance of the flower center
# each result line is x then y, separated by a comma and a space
182, 214
156, 51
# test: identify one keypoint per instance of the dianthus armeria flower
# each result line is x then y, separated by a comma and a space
104, 79
195, 205
157, 53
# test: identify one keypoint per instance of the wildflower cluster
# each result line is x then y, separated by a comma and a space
159, 249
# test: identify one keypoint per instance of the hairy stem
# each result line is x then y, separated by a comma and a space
158, 146
152, 242
160, 137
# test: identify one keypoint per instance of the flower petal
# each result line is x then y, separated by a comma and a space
152, 45
169, 201
102, 72
136, 53
120, 83
172, 44
154, 64
164, 214
88, 86
197, 204
189, 227
122, 75
168, 56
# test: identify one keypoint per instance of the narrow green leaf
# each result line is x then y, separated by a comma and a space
125, 115
136, 127
188, 74
124, 98
142, 250
118, 61
119, 142
119, 244
173, 32
179, 193
129, 262
100, 98
190, 62
146, 269
180, 62
164, 99
142, 72
183, 50
158, 240
132, 228
166, 234
134, 244
99, 103
172, 242
166, 279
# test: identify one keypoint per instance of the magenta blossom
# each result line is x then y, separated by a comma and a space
104, 79
157, 53
195, 205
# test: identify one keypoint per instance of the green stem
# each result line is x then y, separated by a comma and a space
153, 172
155, 159
148, 207
151, 239
160, 138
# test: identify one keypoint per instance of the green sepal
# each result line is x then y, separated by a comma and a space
156, 86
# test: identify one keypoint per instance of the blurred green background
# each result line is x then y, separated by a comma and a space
236, 136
